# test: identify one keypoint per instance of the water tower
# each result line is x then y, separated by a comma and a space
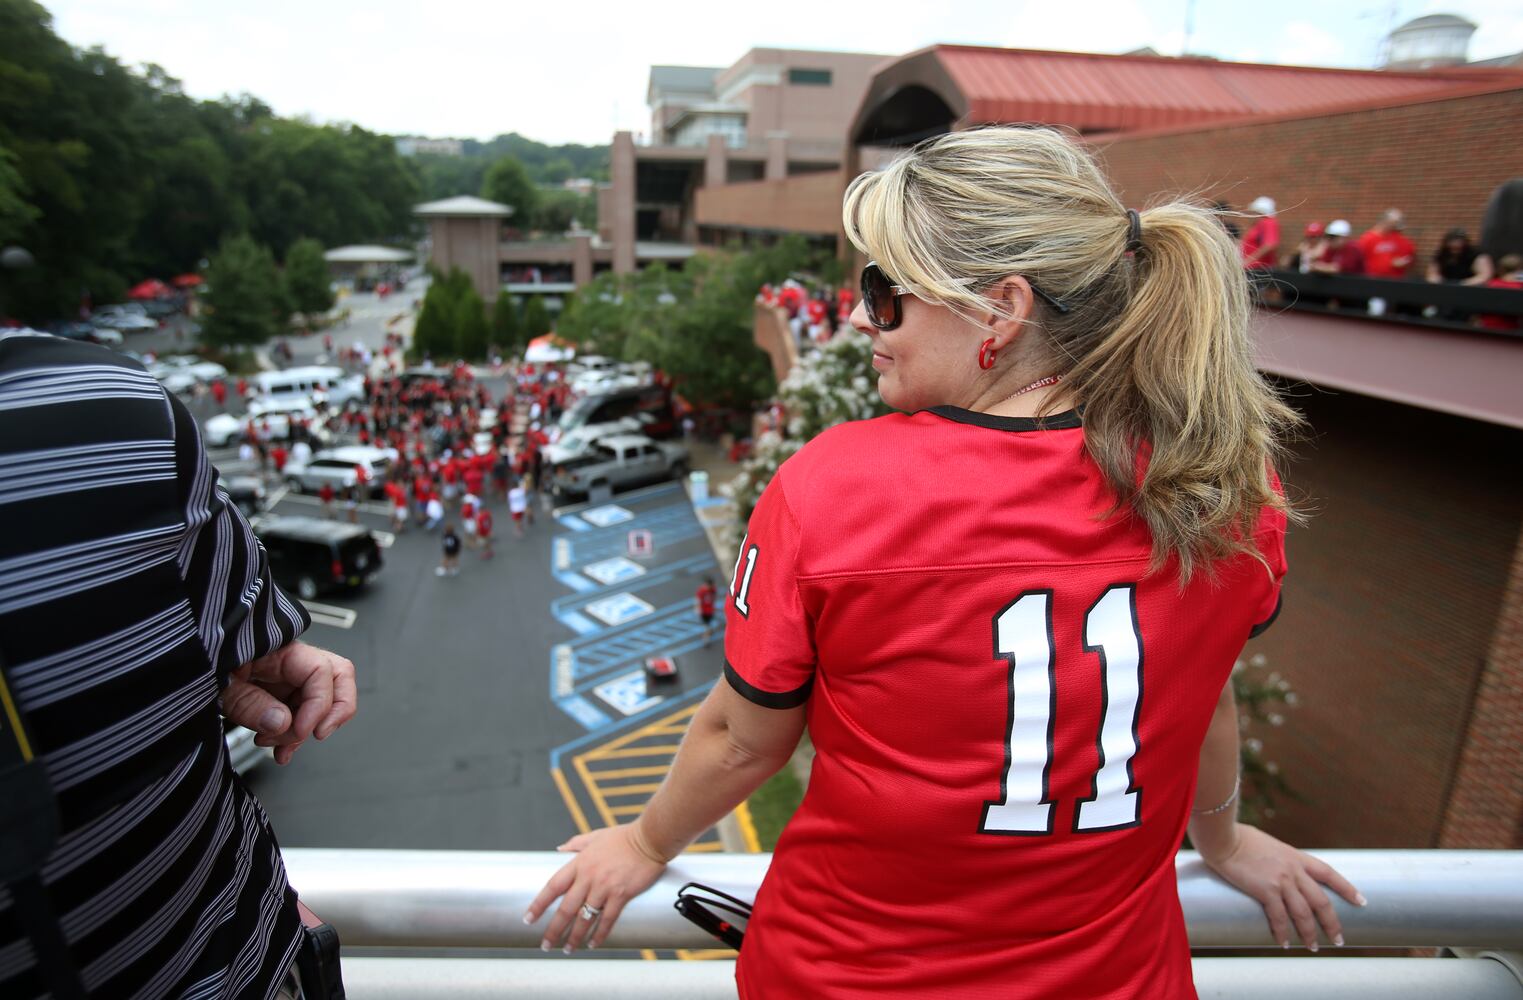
1429, 42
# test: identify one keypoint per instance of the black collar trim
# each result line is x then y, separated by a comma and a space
1067, 420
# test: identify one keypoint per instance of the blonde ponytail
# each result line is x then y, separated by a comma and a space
1155, 345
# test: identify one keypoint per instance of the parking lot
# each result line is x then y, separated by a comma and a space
507, 707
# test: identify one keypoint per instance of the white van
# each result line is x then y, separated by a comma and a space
311, 381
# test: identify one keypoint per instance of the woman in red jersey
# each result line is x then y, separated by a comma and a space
1008, 613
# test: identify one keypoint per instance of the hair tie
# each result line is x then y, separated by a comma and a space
1133, 231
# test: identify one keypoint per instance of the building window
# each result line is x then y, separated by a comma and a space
809, 77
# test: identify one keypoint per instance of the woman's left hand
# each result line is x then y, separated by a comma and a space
1288, 884
611, 867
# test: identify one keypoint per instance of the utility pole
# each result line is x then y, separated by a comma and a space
1184, 49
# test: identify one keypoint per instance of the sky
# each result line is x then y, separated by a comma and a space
562, 72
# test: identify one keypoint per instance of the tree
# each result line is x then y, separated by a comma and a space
246, 302
471, 331
506, 330
508, 183
307, 278
433, 335
536, 317
558, 208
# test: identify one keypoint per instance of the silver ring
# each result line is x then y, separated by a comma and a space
590, 912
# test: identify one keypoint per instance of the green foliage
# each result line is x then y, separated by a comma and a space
307, 277
434, 333
110, 175
536, 318
829, 386
558, 208
773, 804
447, 176
472, 333
508, 183
507, 330
247, 303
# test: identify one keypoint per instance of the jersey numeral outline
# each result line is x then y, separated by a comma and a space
1023, 638
748, 554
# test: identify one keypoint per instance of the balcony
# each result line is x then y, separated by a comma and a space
1470, 902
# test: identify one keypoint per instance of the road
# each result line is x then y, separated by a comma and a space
504, 708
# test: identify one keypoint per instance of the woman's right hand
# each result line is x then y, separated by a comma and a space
1285, 882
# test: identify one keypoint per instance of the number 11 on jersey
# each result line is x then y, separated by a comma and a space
1023, 638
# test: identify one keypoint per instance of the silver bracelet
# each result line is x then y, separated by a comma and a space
1237, 786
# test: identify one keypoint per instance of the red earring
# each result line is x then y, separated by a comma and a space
986, 355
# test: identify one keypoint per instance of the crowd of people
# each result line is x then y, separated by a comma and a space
456, 452
814, 313
1382, 251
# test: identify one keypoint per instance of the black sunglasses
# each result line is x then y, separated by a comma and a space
880, 296
700, 911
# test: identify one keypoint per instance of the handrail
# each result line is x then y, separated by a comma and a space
1215, 978
433, 899
1309, 290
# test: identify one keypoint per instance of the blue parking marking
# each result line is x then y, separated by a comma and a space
599, 653
669, 704
582, 711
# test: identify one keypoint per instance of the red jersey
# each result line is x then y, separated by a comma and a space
1382, 251
706, 595
1007, 711
484, 523
1263, 233
325, 492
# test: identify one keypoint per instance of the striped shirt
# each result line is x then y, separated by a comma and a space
130, 587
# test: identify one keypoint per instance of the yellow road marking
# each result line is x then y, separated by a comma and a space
655, 771
629, 752
592, 789
646, 789
571, 803
627, 810
747, 828
706, 846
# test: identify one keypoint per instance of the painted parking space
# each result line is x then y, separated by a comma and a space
631, 567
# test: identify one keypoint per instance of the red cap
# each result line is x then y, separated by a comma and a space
1314, 228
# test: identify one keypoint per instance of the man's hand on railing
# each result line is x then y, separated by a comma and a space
1285, 882
611, 867
290, 694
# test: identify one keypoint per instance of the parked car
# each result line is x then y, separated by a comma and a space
125, 322
310, 556
87, 332
651, 403
574, 444
618, 462
272, 420
310, 382
335, 466
178, 372
596, 382
246, 492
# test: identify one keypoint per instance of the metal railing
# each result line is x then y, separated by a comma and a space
1403, 301
1471, 900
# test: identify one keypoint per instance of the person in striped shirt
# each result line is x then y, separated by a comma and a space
136, 611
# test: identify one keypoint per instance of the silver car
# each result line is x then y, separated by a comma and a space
619, 462
336, 467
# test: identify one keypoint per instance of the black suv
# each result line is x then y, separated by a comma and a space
309, 555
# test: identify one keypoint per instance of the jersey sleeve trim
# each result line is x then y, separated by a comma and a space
1263, 626
767, 699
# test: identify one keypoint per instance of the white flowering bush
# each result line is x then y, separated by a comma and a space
1261, 700
830, 385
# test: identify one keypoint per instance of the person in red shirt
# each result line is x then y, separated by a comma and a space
484, 531
1511, 276
278, 455
398, 497
704, 603
219, 392
1019, 685
1261, 242
325, 495
1387, 251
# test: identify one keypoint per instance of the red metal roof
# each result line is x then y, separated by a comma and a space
1101, 93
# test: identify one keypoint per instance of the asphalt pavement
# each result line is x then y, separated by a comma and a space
504, 708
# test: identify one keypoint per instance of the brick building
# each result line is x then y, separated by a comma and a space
1403, 623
